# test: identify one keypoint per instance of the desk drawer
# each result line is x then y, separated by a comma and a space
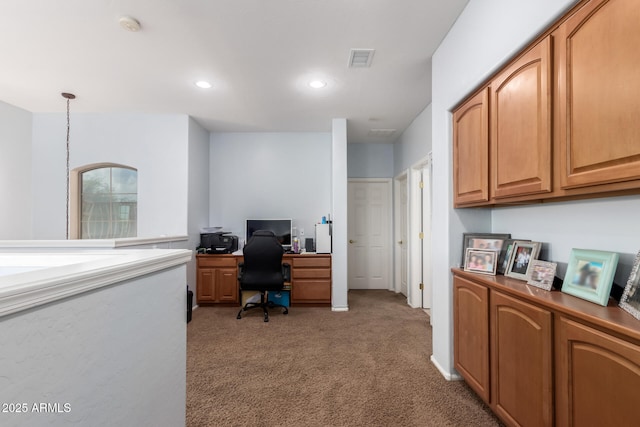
311, 273
311, 291
217, 261
311, 261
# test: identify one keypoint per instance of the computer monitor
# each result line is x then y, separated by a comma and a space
282, 228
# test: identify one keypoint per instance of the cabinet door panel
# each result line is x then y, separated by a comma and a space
206, 285
521, 125
521, 364
227, 285
471, 334
471, 150
598, 377
598, 87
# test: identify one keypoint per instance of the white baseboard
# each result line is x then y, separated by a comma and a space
449, 376
340, 309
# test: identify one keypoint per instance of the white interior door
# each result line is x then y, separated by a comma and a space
369, 221
402, 241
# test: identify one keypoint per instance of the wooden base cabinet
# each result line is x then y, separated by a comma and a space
598, 377
521, 361
540, 358
217, 279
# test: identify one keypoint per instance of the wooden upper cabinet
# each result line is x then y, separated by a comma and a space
470, 150
598, 102
521, 125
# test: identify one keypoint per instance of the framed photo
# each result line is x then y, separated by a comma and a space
521, 256
481, 261
505, 254
485, 241
630, 301
590, 275
541, 274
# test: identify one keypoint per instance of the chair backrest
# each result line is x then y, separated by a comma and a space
262, 263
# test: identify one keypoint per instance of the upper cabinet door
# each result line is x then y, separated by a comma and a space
598, 51
471, 150
521, 125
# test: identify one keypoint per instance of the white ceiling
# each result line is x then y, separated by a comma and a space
259, 55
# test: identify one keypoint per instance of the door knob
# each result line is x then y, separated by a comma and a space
352, 241
399, 242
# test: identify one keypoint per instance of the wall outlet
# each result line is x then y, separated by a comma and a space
301, 232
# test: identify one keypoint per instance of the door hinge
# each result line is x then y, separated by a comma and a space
421, 184
421, 286
421, 235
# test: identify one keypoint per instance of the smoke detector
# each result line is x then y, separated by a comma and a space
130, 24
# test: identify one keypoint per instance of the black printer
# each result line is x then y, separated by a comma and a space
220, 242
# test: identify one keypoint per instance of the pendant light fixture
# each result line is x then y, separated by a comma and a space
68, 97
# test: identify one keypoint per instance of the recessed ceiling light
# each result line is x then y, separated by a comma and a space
203, 84
317, 84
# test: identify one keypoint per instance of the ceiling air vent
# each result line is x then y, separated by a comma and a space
361, 58
381, 133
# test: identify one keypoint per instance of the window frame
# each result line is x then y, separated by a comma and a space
75, 196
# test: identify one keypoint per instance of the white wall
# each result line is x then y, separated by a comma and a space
198, 194
116, 356
157, 145
370, 160
415, 142
269, 175
15, 172
485, 35
339, 200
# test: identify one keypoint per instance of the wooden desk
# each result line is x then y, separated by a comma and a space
217, 279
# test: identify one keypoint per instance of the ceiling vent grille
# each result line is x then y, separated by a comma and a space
361, 58
382, 133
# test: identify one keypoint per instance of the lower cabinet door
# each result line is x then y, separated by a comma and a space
227, 285
471, 334
521, 362
597, 376
206, 285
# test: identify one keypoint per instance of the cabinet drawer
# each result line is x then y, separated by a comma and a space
318, 291
311, 261
311, 273
217, 261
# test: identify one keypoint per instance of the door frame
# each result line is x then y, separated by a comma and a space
400, 179
420, 221
389, 183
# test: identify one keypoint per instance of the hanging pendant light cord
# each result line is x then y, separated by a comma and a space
69, 97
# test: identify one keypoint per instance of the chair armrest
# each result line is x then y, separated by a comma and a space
240, 270
286, 272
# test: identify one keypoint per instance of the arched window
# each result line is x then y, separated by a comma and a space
106, 202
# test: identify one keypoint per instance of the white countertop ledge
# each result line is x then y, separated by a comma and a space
35, 278
91, 243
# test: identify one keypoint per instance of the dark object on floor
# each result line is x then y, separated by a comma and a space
189, 304
263, 271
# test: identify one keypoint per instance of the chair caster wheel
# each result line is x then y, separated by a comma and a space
285, 312
238, 317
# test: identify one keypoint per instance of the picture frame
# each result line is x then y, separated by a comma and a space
505, 254
630, 301
481, 261
590, 275
541, 274
521, 256
475, 240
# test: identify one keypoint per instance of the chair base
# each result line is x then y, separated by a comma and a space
265, 305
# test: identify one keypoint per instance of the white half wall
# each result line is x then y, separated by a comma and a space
155, 144
15, 172
269, 175
486, 34
339, 184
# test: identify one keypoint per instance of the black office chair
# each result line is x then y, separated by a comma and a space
263, 270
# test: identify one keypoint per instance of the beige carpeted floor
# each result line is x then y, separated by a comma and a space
314, 367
